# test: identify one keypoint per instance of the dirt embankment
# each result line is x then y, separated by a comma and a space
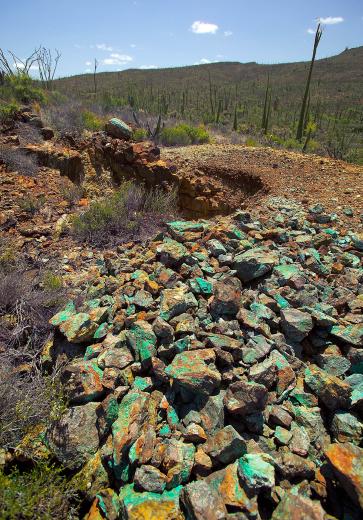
244, 176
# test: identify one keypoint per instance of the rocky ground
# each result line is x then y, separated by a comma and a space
215, 371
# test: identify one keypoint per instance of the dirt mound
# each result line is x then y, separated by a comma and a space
242, 176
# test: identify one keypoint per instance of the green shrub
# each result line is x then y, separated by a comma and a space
183, 135
291, 144
41, 492
132, 210
140, 134
31, 204
251, 142
52, 282
8, 111
92, 121
22, 88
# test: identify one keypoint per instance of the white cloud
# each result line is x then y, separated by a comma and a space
204, 61
133, 45
204, 28
117, 59
88, 63
228, 33
146, 67
19, 65
331, 20
310, 31
103, 47
219, 55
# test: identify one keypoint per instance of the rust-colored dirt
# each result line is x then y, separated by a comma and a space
246, 176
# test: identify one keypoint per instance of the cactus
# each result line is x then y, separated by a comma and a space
300, 126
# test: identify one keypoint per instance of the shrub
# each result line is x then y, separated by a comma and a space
27, 396
17, 160
22, 88
251, 142
52, 281
71, 192
8, 111
41, 492
132, 210
140, 134
31, 204
183, 134
91, 121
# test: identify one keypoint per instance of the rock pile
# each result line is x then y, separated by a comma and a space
218, 372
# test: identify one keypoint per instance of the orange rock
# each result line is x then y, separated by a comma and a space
83, 202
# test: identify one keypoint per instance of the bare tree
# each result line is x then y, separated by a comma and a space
47, 64
19, 67
94, 75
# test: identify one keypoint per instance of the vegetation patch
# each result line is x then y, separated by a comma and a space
40, 492
132, 211
183, 135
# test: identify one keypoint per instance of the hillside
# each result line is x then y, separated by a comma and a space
336, 79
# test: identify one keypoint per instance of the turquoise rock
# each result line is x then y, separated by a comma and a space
161, 506
216, 248
171, 252
296, 324
142, 340
256, 471
119, 129
201, 286
346, 427
64, 315
352, 334
254, 263
333, 392
79, 328
193, 373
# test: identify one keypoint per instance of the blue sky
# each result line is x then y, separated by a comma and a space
125, 34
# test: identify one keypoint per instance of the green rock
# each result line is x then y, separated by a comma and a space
109, 503
333, 392
254, 263
282, 435
173, 302
298, 507
171, 253
138, 506
256, 471
352, 334
125, 430
346, 427
201, 286
64, 315
216, 248
225, 446
79, 328
296, 324
195, 373
119, 129
203, 502
142, 340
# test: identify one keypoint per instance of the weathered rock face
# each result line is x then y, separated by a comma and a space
74, 439
228, 380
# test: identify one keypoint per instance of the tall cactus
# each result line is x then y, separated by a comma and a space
300, 126
266, 107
